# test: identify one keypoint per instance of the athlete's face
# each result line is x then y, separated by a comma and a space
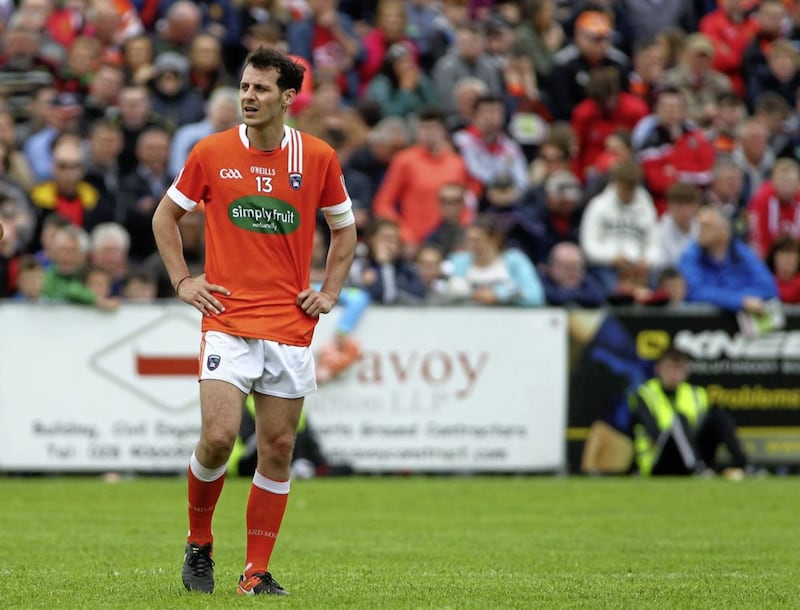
263, 103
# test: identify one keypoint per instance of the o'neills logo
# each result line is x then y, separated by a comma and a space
264, 215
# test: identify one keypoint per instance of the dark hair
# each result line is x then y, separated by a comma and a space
673, 354
668, 273
290, 73
784, 243
432, 113
627, 172
682, 192
603, 83
487, 98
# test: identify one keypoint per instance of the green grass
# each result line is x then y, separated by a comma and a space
416, 542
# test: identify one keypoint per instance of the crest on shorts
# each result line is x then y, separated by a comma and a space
213, 362
295, 181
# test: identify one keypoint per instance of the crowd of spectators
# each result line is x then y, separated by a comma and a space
514, 152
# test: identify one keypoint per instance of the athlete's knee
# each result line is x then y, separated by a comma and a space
279, 448
218, 440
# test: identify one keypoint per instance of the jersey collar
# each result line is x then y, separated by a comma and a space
246, 141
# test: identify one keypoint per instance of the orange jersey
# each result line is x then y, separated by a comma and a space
261, 209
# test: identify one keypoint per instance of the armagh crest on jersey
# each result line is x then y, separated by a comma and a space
260, 206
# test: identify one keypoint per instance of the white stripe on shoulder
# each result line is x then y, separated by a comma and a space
181, 199
243, 135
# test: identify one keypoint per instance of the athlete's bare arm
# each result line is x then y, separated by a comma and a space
192, 290
340, 257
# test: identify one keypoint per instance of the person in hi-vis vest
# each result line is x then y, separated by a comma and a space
675, 432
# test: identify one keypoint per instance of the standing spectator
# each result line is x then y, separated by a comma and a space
678, 225
171, 97
605, 111
774, 210
142, 189
487, 150
700, 83
68, 194
409, 193
493, 274
618, 228
401, 88
721, 270
327, 39
572, 64
222, 112
384, 272
673, 150
783, 260
566, 282
730, 30
467, 57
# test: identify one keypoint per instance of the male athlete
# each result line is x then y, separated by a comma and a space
261, 184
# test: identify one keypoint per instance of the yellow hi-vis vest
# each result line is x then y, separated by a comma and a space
690, 401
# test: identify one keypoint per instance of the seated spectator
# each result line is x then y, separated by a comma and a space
671, 149
64, 279
63, 116
700, 83
488, 273
780, 74
401, 88
677, 227
14, 166
102, 159
487, 150
192, 232
519, 223
388, 137
724, 130
647, 76
9, 257
728, 193
448, 235
558, 151
730, 29
222, 112
604, 112
30, 280
774, 112
171, 95
566, 282
672, 284
753, 155
109, 244
618, 229
774, 210
591, 48
465, 92
390, 29
539, 35
467, 57
433, 271
15, 209
138, 55
384, 272
98, 281
769, 18
558, 213
69, 194
139, 287
50, 227
721, 270
675, 430
206, 68
783, 260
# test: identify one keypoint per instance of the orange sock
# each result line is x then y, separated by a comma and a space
265, 508
205, 486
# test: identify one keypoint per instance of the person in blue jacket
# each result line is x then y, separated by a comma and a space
721, 270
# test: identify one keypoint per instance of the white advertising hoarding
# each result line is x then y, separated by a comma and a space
434, 390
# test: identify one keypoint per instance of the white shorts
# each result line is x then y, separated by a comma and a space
276, 369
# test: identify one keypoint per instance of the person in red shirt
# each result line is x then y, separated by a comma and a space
262, 184
730, 31
774, 210
606, 110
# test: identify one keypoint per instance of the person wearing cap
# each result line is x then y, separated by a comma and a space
172, 98
592, 48
696, 77
675, 429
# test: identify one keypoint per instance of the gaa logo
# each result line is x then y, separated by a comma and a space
227, 174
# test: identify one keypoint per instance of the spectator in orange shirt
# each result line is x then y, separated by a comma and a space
409, 191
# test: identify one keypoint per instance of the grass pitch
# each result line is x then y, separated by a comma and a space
416, 542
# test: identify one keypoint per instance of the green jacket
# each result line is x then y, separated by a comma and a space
70, 288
